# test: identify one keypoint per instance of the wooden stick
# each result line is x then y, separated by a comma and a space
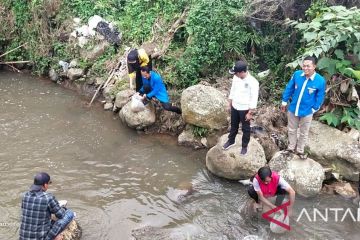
107, 81
14, 68
112, 74
12, 50
14, 62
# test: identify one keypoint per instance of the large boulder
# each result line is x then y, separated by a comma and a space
123, 97
305, 176
204, 106
138, 120
335, 149
231, 164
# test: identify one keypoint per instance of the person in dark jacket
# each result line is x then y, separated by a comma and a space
154, 87
136, 59
36, 209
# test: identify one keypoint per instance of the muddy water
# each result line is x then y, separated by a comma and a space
117, 180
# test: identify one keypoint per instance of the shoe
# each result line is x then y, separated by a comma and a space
228, 145
243, 151
302, 156
288, 151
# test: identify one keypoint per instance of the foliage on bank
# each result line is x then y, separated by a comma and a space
214, 35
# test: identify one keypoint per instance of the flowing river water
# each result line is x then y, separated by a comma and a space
118, 180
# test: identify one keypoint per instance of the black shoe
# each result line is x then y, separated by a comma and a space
228, 145
288, 151
243, 150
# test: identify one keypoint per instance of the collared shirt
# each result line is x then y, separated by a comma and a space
37, 208
307, 94
244, 92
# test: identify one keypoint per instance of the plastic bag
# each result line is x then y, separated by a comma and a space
275, 228
137, 104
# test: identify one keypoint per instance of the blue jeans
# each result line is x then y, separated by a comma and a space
60, 224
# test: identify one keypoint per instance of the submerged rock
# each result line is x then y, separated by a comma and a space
204, 106
231, 164
304, 176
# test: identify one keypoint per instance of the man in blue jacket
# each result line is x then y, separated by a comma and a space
306, 89
154, 87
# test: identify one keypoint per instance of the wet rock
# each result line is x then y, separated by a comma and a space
123, 97
345, 190
231, 164
187, 138
108, 106
335, 149
75, 73
204, 106
138, 120
53, 75
304, 176
72, 231
179, 194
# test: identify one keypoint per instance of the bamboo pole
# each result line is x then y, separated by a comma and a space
12, 50
14, 62
107, 81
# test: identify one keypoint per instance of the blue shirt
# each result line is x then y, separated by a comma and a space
37, 208
307, 94
158, 89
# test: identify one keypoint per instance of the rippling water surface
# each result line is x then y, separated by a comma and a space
123, 184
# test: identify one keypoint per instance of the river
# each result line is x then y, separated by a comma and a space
118, 180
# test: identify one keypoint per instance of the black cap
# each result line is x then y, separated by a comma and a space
240, 66
40, 180
132, 56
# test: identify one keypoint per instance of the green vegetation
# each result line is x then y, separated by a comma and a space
214, 34
199, 131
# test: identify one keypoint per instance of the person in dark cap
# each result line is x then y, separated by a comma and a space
242, 103
36, 209
137, 58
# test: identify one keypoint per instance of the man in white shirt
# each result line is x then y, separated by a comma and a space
242, 103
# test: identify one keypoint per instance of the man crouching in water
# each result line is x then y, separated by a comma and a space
267, 184
37, 206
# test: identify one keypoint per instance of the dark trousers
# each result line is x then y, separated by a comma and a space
167, 106
237, 117
280, 195
170, 107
